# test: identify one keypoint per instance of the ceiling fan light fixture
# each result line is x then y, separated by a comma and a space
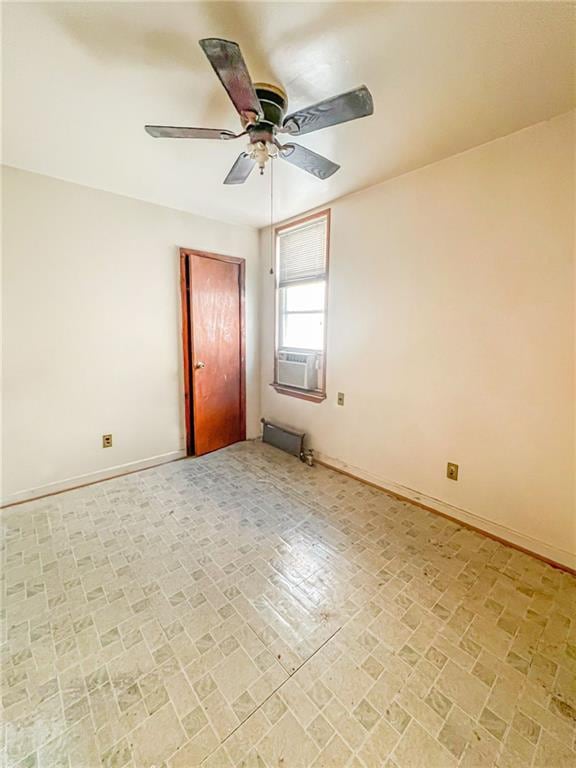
260, 153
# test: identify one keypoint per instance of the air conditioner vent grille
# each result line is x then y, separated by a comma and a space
297, 369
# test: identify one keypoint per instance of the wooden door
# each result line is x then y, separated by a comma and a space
215, 354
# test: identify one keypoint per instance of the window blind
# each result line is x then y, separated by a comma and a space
302, 252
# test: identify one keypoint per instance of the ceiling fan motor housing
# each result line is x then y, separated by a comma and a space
273, 103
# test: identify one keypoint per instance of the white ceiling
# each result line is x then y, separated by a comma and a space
82, 79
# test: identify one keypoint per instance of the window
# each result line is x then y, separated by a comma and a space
301, 290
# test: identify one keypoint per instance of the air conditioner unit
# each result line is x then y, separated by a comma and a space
298, 369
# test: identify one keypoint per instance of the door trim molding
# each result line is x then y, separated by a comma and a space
185, 254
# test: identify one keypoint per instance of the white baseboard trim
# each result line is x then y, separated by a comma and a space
90, 477
539, 548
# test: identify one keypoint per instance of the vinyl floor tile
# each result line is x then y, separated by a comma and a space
243, 609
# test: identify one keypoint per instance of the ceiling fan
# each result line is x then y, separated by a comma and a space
262, 110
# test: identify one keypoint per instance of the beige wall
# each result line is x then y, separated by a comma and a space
92, 330
451, 333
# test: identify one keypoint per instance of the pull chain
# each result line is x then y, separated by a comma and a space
271, 215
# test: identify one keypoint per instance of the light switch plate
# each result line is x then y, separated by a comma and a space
340, 398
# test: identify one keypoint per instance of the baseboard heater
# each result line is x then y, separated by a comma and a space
286, 439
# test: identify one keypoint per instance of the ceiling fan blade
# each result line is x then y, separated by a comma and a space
172, 132
240, 170
309, 161
338, 109
228, 63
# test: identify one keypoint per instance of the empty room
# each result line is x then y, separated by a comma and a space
288, 472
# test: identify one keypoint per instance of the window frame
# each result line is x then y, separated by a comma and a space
312, 395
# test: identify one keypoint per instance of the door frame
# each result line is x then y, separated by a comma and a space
186, 285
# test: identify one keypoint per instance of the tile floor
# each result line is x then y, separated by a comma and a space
243, 609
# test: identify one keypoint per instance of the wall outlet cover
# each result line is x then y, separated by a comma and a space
106, 441
452, 471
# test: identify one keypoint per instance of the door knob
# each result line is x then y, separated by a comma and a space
200, 364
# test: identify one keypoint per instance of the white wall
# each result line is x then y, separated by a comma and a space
92, 330
451, 333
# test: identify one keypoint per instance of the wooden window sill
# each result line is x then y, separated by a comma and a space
302, 394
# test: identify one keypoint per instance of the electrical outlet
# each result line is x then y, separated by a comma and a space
452, 471
106, 441
340, 398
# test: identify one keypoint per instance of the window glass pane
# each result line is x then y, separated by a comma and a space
304, 297
303, 331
